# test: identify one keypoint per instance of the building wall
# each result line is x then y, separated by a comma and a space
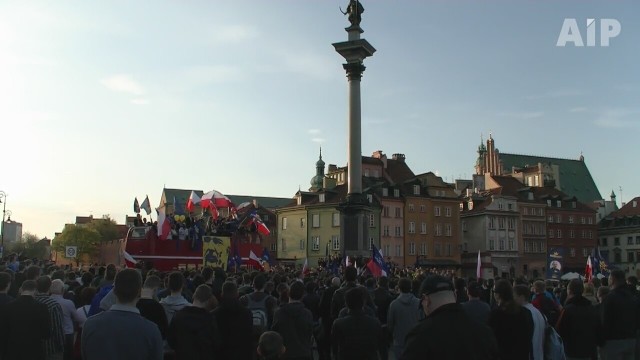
578, 246
449, 241
416, 242
622, 247
289, 238
392, 245
533, 242
326, 232
12, 232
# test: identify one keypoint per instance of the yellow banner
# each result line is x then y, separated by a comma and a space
215, 251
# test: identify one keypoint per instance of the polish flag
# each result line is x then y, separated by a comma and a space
243, 205
193, 201
479, 267
216, 198
588, 271
347, 262
255, 260
305, 268
129, 261
164, 226
260, 226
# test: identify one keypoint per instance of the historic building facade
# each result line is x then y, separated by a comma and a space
619, 234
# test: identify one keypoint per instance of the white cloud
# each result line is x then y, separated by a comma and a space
314, 131
140, 101
578, 109
523, 115
318, 140
619, 118
554, 94
234, 33
123, 83
214, 74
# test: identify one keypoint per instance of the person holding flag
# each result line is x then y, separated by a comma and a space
376, 265
146, 205
136, 206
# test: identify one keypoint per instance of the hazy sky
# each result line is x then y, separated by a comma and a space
103, 101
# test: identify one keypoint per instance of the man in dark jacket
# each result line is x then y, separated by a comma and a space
338, 299
295, 323
5, 285
324, 345
193, 331
447, 332
578, 324
25, 324
404, 314
382, 298
619, 319
235, 323
357, 336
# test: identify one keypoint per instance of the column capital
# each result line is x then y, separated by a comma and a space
354, 70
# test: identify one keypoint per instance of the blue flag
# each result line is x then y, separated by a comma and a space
266, 256
599, 263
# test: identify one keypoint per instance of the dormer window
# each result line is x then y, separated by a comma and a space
559, 203
366, 172
416, 189
299, 200
385, 192
321, 198
470, 205
573, 204
370, 198
396, 192
549, 202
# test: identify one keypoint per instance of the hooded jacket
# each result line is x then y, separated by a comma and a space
295, 323
404, 314
579, 328
193, 333
172, 304
236, 330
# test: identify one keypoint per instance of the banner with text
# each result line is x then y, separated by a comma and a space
555, 261
215, 251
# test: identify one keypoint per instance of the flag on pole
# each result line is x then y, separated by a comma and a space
136, 206
129, 261
588, 271
164, 225
193, 201
305, 268
376, 265
254, 260
347, 262
262, 229
216, 198
266, 257
146, 205
479, 267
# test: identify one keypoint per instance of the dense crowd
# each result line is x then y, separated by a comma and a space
101, 312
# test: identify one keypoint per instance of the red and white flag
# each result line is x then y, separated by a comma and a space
255, 260
164, 225
479, 267
305, 268
588, 271
129, 261
193, 201
216, 198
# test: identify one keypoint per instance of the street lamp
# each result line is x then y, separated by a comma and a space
3, 200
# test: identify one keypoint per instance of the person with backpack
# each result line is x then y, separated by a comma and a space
261, 304
235, 324
546, 303
295, 323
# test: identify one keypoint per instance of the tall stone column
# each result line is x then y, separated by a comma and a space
354, 223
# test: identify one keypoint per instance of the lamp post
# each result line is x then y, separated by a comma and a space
3, 200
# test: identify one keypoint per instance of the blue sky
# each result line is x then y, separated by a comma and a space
104, 101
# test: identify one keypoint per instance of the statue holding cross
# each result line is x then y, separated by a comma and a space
354, 10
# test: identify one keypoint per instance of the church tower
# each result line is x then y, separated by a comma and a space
318, 180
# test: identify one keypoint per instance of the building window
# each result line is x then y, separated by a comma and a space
551, 234
411, 208
370, 198
512, 245
265, 218
559, 203
617, 257
366, 172
616, 242
385, 211
416, 189
629, 240
525, 211
548, 202
302, 220
371, 239
535, 246
637, 240
590, 220
385, 192
449, 253
492, 223
438, 250
590, 233
501, 242
512, 223
412, 227
385, 230
526, 246
423, 228
447, 230
387, 250
500, 205
423, 208
500, 223
376, 173
398, 250
398, 212
335, 240
492, 245
284, 223
412, 248
436, 210
396, 192
584, 234
572, 234
315, 243
583, 220
438, 230
398, 232
372, 220
605, 242
574, 204
321, 198
550, 219
315, 220
447, 211
423, 249
572, 251
335, 219
302, 241
570, 219
558, 219
630, 257
541, 247
274, 247
283, 244
540, 212
585, 252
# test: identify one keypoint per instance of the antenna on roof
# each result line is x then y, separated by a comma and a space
621, 202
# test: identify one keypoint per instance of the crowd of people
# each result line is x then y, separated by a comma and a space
101, 312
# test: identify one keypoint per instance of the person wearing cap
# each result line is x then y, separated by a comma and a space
447, 332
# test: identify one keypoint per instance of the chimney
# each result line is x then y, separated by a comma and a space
332, 167
399, 157
377, 154
469, 192
635, 203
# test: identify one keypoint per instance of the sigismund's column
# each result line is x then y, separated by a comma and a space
354, 225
